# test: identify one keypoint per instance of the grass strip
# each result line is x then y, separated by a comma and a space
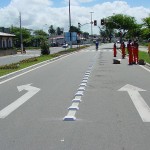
145, 56
6, 69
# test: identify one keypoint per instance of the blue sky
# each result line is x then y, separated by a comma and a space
59, 3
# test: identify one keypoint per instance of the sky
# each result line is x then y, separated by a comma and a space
40, 14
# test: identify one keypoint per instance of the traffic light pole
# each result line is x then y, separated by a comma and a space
70, 25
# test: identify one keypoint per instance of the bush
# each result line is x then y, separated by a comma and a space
45, 49
10, 66
33, 59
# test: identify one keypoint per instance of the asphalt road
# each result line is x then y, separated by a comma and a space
113, 113
29, 53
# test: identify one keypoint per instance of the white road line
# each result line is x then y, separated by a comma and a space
141, 106
76, 101
47, 63
16, 104
145, 68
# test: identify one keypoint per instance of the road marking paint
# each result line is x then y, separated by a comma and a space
45, 63
76, 101
84, 81
83, 84
79, 93
81, 88
74, 106
85, 78
141, 106
145, 68
70, 116
87, 73
16, 104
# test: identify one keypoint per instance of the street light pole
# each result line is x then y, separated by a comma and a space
70, 25
21, 40
91, 25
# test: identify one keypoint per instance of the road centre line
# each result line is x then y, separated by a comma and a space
80, 92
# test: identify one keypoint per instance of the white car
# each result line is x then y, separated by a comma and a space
65, 45
118, 44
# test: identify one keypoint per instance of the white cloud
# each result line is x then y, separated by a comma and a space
37, 13
77, 2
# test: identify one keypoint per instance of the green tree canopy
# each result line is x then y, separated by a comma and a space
74, 29
121, 22
25, 34
146, 28
51, 30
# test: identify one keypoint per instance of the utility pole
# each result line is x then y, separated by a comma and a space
70, 25
91, 25
21, 39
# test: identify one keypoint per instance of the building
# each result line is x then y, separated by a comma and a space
6, 44
59, 40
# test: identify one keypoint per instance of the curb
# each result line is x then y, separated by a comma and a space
33, 66
147, 64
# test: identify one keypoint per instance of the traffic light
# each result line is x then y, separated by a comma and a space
102, 22
95, 22
79, 25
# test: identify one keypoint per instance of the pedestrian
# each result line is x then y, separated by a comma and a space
129, 47
135, 52
115, 50
123, 50
96, 44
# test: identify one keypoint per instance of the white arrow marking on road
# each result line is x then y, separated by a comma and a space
13, 106
141, 106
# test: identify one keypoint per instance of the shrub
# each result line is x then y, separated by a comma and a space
10, 66
45, 49
33, 59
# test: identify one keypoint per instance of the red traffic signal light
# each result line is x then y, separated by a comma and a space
95, 22
102, 22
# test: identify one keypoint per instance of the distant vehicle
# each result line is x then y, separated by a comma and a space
118, 44
65, 45
54, 44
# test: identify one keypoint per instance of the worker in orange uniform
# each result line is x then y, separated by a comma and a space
129, 47
115, 50
135, 52
123, 50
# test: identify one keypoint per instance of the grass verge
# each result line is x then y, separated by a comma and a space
6, 69
145, 56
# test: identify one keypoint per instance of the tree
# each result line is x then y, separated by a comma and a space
25, 34
74, 29
45, 48
146, 28
51, 30
86, 35
122, 23
39, 36
59, 31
